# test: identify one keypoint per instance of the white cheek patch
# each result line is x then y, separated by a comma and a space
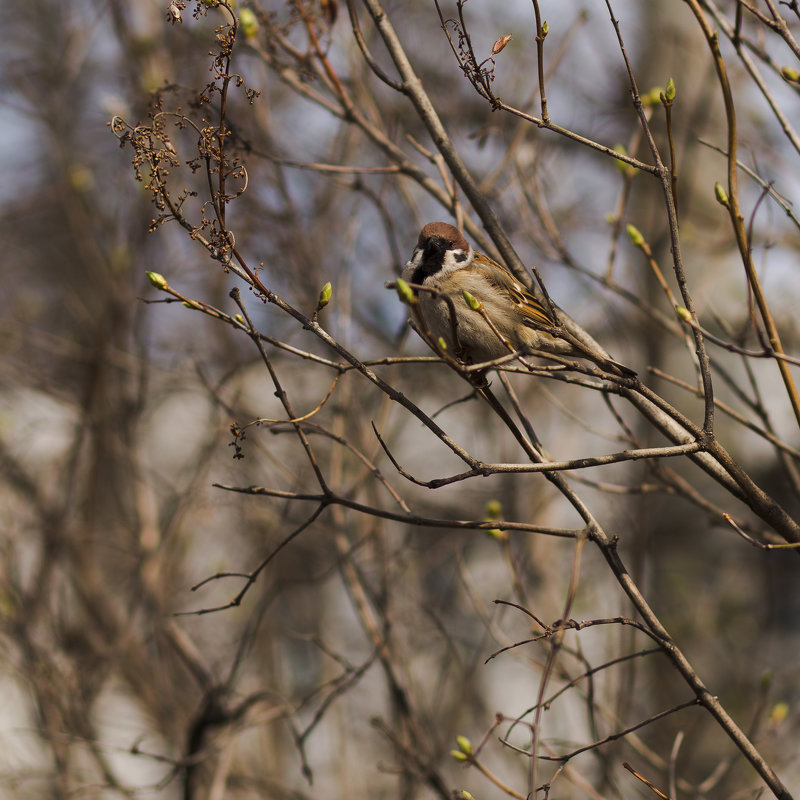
454, 260
415, 260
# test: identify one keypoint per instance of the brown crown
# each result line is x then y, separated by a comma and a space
444, 231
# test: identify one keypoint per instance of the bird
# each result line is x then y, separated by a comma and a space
478, 308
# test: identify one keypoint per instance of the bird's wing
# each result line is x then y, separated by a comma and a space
533, 313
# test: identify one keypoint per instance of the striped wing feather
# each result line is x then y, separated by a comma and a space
529, 308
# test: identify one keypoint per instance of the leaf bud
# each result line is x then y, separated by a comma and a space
404, 292
494, 509
248, 23
500, 44
778, 713
325, 296
158, 280
635, 236
472, 301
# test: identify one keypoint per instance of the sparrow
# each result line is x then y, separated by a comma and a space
444, 271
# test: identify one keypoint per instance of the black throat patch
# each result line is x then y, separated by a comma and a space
433, 250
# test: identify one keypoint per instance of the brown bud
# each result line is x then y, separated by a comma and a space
500, 44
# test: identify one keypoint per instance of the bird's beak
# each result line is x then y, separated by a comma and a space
434, 249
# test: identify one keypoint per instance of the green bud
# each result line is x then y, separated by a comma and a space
721, 194
458, 755
442, 343
325, 296
653, 97
622, 166
463, 794
158, 280
790, 74
248, 23
239, 318
187, 304
637, 240
497, 534
472, 301
669, 92
778, 713
683, 313
494, 509
464, 744
404, 292
545, 28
